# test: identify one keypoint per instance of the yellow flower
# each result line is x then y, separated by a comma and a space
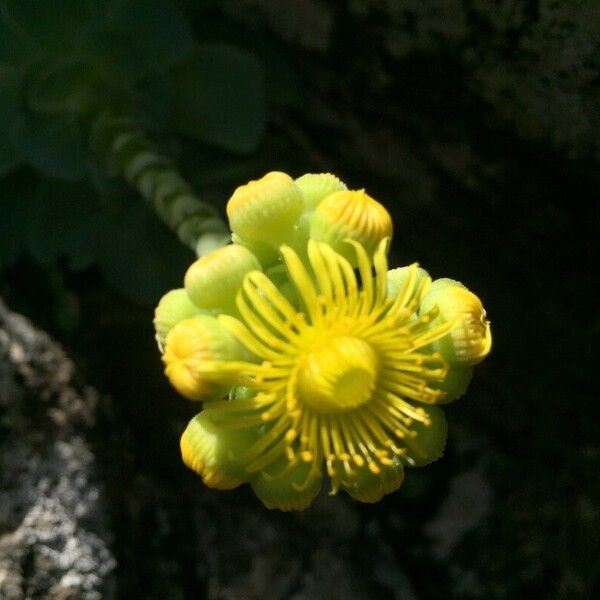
343, 385
313, 360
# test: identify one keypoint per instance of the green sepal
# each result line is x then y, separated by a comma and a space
287, 486
430, 440
370, 487
455, 383
211, 451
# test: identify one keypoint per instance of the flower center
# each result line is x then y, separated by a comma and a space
338, 376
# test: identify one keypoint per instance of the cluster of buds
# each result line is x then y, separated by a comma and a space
311, 359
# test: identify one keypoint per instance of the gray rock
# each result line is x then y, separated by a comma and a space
53, 540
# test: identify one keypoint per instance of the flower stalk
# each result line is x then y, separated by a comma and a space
127, 152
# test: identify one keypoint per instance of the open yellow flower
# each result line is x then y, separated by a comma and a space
334, 364
341, 384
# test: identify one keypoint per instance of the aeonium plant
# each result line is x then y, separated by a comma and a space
312, 359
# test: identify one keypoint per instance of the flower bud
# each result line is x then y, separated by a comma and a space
266, 209
267, 255
470, 339
316, 186
211, 451
173, 307
397, 279
189, 345
213, 280
354, 215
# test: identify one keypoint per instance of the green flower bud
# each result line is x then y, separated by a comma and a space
173, 307
266, 255
350, 215
316, 186
213, 280
211, 451
266, 209
397, 280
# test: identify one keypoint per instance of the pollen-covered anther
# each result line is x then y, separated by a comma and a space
338, 376
350, 215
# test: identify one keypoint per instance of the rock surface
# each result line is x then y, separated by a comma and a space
53, 540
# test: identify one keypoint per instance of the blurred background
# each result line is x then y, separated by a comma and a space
476, 122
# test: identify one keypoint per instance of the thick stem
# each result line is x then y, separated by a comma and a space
127, 152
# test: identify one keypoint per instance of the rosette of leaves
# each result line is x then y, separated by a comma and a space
61, 66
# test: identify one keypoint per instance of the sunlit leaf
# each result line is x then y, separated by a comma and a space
52, 144
220, 97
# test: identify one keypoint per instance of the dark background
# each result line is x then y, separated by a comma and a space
477, 123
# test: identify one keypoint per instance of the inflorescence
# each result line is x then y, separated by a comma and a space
311, 358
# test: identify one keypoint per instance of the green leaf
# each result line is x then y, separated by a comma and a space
158, 27
54, 25
15, 46
116, 56
16, 198
152, 101
66, 221
53, 144
220, 97
9, 108
62, 87
138, 255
